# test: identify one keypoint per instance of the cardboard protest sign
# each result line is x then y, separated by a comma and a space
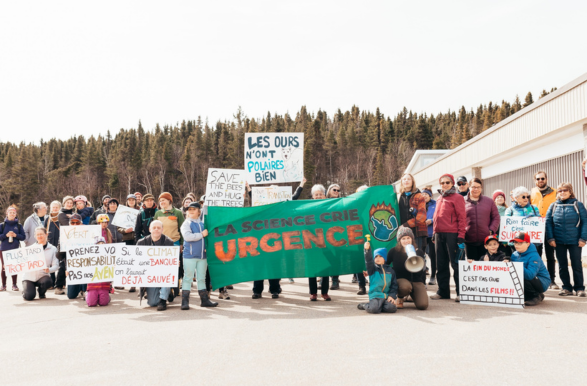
125, 217
492, 283
147, 266
272, 158
27, 259
533, 226
225, 187
78, 235
92, 264
270, 195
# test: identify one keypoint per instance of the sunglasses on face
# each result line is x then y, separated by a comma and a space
524, 196
563, 190
461, 183
75, 222
335, 190
540, 179
446, 183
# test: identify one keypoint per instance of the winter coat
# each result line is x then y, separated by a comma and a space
30, 224
430, 209
172, 220
382, 280
397, 260
97, 212
417, 202
450, 216
86, 214
497, 256
144, 222
164, 241
11, 226
193, 247
533, 266
564, 225
482, 219
526, 211
62, 216
51, 263
542, 200
52, 231
501, 209
116, 237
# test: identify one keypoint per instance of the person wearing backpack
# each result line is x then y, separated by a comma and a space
11, 234
566, 232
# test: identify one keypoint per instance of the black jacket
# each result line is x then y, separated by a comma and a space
498, 256
53, 229
163, 241
96, 214
144, 222
397, 259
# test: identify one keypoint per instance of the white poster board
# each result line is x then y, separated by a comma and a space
147, 266
272, 158
225, 187
492, 283
92, 264
270, 195
70, 236
125, 217
21, 260
533, 226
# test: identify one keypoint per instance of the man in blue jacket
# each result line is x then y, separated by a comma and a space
536, 276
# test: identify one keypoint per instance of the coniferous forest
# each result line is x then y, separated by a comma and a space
350, 148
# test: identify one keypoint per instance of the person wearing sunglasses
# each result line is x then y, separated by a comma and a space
543, 196
333, 191
463, 186
448, 228
566, 231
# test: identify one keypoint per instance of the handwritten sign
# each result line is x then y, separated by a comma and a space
125, 217
21, 260
270, 195
225, 187
92, 264
489, 283
70, 236
272, 158
147, 266
533, 226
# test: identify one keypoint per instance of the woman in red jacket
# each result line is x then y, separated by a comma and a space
482, 220
448, 235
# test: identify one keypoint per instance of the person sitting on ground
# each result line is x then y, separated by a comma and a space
536, 276
409, 283
383, 287
99, 293
40, 279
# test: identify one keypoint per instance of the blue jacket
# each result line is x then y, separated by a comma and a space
533, 266
86, 214
193, 241
564, 225
11, 226
382, 280
430, 208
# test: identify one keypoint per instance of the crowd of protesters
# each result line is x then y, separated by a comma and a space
460, 223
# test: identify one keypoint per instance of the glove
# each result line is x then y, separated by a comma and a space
460, 240
462, 246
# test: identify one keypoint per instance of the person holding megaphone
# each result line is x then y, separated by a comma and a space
409, 265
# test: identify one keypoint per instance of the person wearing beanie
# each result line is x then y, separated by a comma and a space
11, 234
463, 186
194, 258
101, 210
139, 197
430, 250
172, 219
145, 217
410, 284
382, 282
66, 211
448, 228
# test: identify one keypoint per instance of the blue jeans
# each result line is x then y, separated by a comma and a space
199, 266
74, 289
563, 266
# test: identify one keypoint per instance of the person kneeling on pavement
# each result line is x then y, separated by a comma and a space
536, 276
40, 279
383, 283
409, 283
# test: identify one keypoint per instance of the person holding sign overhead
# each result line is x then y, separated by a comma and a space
40, 279
566, 231
11, 234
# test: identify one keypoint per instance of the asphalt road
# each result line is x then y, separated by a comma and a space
290, 341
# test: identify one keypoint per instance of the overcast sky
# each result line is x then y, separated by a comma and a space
72, 67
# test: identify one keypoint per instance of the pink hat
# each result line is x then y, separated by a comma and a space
498, 193
80, 198
449, 176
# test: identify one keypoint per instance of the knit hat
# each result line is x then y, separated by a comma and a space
428, 192
404, 231
491, 237
331, 187
67, 198
498, 193
167, 196
148, 196
449, 176
102, 218
106, 197
381, 252
138, 194
113, 200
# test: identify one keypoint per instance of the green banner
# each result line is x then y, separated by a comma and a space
304, 238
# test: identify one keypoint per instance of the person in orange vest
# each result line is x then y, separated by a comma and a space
543, 196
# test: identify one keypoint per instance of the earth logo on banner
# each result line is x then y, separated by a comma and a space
382, 222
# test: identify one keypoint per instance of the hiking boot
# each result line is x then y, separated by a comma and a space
361, 306
335, 286
185, 300
224, 295
313, 297
132, 289
275, 295
458, 299
205, 300
541, 296
581, 294
326, 297
229, 287
432, 281
162, 305
257, 296
362, 291
533, 302
554, 286
565, 293
119, 288
399, 303
58, 291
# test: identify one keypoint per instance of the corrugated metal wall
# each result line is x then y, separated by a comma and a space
563, 169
